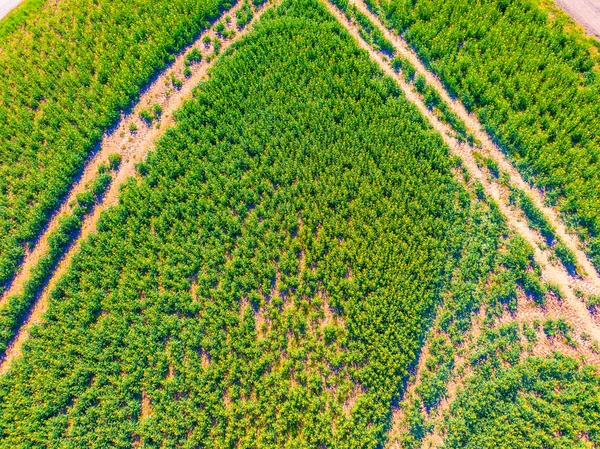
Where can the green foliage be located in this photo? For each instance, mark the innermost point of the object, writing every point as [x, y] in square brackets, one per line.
[403, 65]
[146, 115]
[529, 333]
[67, 71]
[220, 28]
[497, 347]
[536, 219]
[193, 56]
[216, 46]
[493, 167]
[559, 327]
[17, 306]
[243, 15]
[154, 113]
[370, 32]
[176, 82]
[114, 160]
[518, 258]
[538, 403]
[418, 427]
[566, 256]
[268, 282]
[593, 302]
[533, 85]
[432, 387]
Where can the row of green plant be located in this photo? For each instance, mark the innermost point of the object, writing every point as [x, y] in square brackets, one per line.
[370, 33]
[67, 71]
[539, 402]
[533, 82]
[268, 281]
[374, 37]
[538, 221]
[17, 306]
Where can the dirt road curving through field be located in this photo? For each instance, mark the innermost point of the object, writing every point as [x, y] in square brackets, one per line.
[573, 309]
[133, 147]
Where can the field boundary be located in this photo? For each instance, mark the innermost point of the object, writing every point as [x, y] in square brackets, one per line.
[132, 139]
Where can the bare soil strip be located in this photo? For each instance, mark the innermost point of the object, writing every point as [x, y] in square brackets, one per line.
[572, 308]
[489, 147]
[551, 273]
[133, 147]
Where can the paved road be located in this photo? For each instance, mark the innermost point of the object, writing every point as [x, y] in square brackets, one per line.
[586, 12]
[7, 5]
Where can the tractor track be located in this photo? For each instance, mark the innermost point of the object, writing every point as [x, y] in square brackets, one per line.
[133, 148]
[572, 307]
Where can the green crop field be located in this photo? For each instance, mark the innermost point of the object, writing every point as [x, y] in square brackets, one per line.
[277, 195]
[66, 73]
[533, 83]
[314, 250]
[524, 406]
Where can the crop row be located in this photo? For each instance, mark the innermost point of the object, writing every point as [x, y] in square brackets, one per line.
[532, 82]
[268, 280]
[15, 307]
[67, 71]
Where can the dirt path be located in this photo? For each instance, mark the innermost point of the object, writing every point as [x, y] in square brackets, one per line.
[455, 385]
[584, 12]
[489, 147]
[572, 307]
[133, 147]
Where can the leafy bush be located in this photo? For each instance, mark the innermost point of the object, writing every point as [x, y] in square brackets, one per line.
[193, 56]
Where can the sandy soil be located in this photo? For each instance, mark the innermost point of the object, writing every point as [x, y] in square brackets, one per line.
[584, 12]
[133, 148]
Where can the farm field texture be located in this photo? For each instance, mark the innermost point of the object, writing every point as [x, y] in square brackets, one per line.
[248, 267]
[318, 248]
[531, 78]
[85, 63]
[25, 300]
